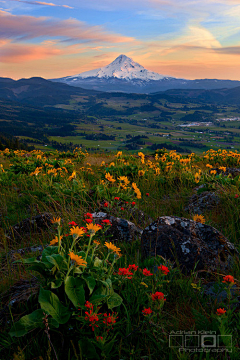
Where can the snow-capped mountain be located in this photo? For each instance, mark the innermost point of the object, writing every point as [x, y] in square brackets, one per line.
[125, 75]
[122, 67]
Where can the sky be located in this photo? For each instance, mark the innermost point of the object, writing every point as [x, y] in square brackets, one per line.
[191, 39]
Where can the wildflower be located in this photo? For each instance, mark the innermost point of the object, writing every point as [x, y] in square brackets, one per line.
[111, 164]
[96, 242]
[158, 296]
[89, 305]
[72, 223]
[222, 168]
[73, 176]
[213, 172]
[196, 287]
[199, 218]
[109, 319]
[107, 222]
[141, 172]
[77, 259]
[147, 311]
[133, 267]
[143, 283]
[133, 203]
[92, 318]
[147, 194]
[209, 166]
[125, 180]
[119, 154]
[56, 220]
[55, 240]
[76, 232]
[99, 338]
[228, 279]
[109, 178]
[88, 215]
[125, 272]
[163, 269]
[146, 272]
[197, 177]
[122, 208]
[221, 311]
[236, 196]
[93, 228]
[112, 247]
[89, 221]
[105, 204]
[117, 198]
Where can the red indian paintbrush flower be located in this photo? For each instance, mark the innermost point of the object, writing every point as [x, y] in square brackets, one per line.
[228, 279]
[147, 311]
[125, 272]
[146, 272]
[221, 311]
[158, 296]
[163, 269]
[133, 267]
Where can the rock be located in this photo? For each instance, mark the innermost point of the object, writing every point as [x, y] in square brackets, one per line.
[121, 229]
[13, 254]
[188, 243]
[229, 171]
[140, 217]
[199, 203]
[34, 224]
[216, 293]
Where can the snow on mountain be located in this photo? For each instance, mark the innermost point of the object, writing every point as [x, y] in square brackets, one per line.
[122, 67]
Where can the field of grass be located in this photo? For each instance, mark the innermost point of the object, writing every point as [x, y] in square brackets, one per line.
[75, 302]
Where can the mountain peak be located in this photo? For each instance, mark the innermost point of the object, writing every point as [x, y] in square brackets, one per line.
[123, 67]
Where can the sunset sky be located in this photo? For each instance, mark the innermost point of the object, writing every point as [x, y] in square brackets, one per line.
[187, 39]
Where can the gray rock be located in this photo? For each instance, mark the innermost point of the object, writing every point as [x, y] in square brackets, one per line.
[35, 224]
[199, 203]
[121, 229]
[188, 243]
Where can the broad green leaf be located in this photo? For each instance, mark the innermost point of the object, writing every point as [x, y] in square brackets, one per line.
[58, 261]
[114, 300]
[56, 284]
[97, 298]
[50, 303]
[50, 250]
[75, 291]
[30, 322]
[97, 262]
[39, 267]
[88, 349]
[91, 283]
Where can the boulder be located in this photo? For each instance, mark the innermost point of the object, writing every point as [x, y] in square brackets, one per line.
[34, 224]
[188, 243]
[121, 229]
[199, 203]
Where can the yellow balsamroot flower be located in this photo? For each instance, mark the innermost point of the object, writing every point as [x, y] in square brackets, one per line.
[93, 228]
[209, 166]
[197, 177]
[77, 259]
[56, 220]
[136, 190]
[222, 168]
[213, 172]
[2, 169]
[112, 164]
[196, 287]
[125, 180]
[55, 240]
[141, 172]
[103, 163]
[76, 232]
[119, 154]
[36, 171]
[199, 218]
[96, 242]
[109, 177]
[73, 176]
[112, 247]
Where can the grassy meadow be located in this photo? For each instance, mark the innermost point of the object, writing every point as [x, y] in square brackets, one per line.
[90, 298]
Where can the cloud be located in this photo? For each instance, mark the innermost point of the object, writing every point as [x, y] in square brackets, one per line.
[22, 28]
[42, 3]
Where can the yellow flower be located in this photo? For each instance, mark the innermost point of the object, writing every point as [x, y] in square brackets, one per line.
[141, 172]
[143, 283]
[125, 180]
[208, 165]
[109, 177]
[76, 232]
[96, 242]
[213, 172]
[222, 168]
[119, 154]
[55, 240]
[199, 218]
[73, 176]
[111, 164]
[197, 177]
[93, 228]
[102, 163]
[77, 259]
[112, 247]
[56, 220]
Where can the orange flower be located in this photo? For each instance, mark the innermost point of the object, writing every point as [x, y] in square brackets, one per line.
[93, 228]
[77, 259]
[56, 220]
[76, 231]
[55, 240]
[228, 279]
[112, 247]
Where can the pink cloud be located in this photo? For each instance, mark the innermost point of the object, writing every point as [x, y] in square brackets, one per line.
[42, 3]
[24, 27]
